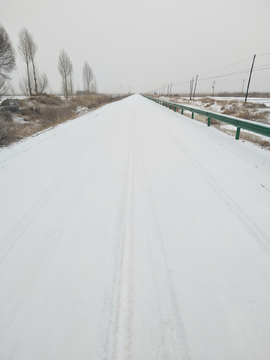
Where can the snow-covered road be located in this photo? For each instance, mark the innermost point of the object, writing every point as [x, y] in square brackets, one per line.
[134, 232]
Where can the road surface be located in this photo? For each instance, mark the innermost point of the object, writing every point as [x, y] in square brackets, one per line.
[133, 232]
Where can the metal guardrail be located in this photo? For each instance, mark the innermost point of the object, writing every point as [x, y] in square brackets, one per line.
[239, 124]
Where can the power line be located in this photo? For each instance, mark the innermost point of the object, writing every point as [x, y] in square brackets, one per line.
[263, 54]
[239, 72]
[209, 72]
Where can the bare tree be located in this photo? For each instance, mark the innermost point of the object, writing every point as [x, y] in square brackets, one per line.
[4, 87]
[28, 49]
[43, 83]
[7, 60]
[71, 85]
[23, 85]
[94, 87]
[32, 52]
[24, 52]
[88, 76]
[65, 69]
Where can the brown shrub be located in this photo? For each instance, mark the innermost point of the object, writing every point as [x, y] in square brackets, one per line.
[6, 116]
[250, 105]
[208, 100]
[51, 114]
[92, 106]
[46, 99]
[247, 114]
[232, 109]
[26, 112]
[7, 132]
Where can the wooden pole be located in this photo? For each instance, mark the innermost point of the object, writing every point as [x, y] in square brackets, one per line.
[250, 76]
[195, 86]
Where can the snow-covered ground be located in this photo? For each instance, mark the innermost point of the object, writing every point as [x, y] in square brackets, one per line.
[133, 232]
[265, 101]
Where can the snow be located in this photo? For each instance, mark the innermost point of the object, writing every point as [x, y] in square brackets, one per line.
[133, 232]
[265, 101]
[18, 119]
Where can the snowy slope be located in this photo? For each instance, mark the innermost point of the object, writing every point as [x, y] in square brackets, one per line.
[134, 232]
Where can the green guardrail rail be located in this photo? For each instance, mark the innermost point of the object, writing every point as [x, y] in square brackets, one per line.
[239, 124]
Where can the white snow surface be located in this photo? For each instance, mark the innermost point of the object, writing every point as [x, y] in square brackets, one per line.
[133, 232]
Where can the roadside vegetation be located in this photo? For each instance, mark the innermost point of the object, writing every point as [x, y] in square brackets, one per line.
[20, 118]
[35, 110]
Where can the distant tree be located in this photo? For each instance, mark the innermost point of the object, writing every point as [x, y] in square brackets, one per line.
[7, 60]
[32, 52]
[88, 76]
[65, 69]
[28, 49]
[4, 87]
[71, 85]
[94, 87]
[24, 52]
[43, 83]
[23, 85]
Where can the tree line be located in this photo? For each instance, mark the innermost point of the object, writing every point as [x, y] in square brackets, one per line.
[34, 83]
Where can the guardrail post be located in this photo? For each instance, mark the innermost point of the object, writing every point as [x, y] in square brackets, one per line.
[192, 115]
[175, 109]
[208, 121]
[182, 111]
[237, 136]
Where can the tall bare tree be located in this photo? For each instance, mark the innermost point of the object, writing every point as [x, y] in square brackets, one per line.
[88, 76]
[24, 52]
[32, 52]
[23, 85]
[7, 60]
[65, 69]
[28, 49]
[94, 87]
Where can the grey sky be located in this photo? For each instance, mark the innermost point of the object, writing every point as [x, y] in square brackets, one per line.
[145, 44]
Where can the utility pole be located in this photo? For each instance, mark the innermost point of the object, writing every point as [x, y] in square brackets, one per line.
[195, 86]
[191, 88]
[171, 89]
[250, 76]
[213, 87]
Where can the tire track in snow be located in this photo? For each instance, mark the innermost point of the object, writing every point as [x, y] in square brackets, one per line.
[15, 234]
[118, 336]
[248, 224]
[119, 309]
[171, 343]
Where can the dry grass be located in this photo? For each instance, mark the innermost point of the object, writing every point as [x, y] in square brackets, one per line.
[42, 112]
[207, 100]
[46, 99]
[6, 116]
[251, 114]
[250, 105]
[93, 101]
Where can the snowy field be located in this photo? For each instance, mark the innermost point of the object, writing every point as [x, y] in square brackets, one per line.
[133, 232]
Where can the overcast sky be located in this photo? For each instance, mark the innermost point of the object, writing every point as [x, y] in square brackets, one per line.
[145, 44]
